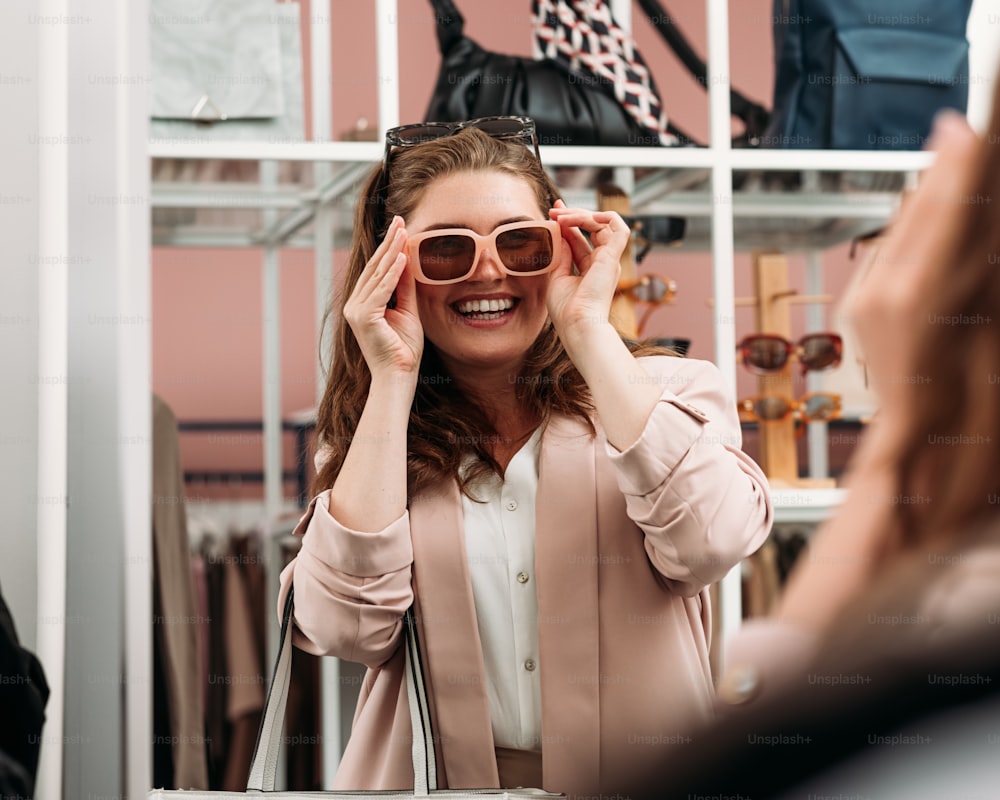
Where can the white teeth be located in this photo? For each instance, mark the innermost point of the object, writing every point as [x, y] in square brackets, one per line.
[473, 306]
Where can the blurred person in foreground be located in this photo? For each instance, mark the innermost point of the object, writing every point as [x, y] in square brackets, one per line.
[877, 675]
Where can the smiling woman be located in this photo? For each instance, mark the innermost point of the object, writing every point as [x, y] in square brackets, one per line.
[552, 503]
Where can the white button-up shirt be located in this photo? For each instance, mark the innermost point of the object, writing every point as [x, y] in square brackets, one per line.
[500, 544]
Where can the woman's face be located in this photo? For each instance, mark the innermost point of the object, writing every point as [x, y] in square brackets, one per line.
[466, 337]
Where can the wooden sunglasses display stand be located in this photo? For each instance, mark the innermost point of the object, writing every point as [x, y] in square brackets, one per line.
[623, 316]
[772, 300]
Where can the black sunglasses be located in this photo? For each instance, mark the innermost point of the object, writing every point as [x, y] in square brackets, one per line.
[522, 128]
[653, 229]
[504, 128]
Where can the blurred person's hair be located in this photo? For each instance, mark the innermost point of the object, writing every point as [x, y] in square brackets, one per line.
[947, 472]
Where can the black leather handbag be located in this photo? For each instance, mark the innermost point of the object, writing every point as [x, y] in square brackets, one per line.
[863, 75]
[568, 108]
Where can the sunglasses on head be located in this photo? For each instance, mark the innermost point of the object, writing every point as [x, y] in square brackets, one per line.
[514, 128]
[450, 255]
[765, 352]
[812, 407]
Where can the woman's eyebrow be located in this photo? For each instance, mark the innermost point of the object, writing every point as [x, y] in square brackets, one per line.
[440, 226]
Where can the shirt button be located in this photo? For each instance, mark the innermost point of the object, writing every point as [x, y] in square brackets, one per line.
[522, 577]
[530, 665]
[512, 505]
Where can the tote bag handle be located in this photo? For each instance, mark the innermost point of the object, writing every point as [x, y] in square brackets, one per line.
[264, 766]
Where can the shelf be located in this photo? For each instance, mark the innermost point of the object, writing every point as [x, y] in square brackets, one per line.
[789, 199]
[805, 505]
[369, 152]
[561, 155]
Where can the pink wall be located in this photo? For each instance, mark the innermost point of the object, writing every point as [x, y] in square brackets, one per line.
[207, 303]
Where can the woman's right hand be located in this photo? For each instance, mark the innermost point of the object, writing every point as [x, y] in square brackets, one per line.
[391, 339]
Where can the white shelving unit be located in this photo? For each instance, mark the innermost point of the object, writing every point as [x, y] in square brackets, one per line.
[721, 220]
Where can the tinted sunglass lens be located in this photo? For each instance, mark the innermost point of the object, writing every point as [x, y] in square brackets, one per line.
[525, 249]
[501, 126]
[765, 354]
[444, 258]
[644, 291]
[652, 290]
[820, 352]
[771, 409]
[820, 407]
[422, 133]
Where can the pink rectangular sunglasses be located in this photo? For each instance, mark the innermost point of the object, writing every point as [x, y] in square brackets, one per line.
[450, 255]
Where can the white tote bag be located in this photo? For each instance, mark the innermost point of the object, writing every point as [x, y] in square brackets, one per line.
[264, 767]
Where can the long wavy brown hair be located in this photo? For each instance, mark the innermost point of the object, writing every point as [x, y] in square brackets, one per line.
[947, 473]
[445, 424]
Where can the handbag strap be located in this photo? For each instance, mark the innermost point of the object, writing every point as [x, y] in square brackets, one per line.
[424, 759]
[754, 115]
[264, 766]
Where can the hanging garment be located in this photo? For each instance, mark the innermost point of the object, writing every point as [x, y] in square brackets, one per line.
[175, 626]
[243, 678]
[215, 709]
[303, 723]
[762, 584]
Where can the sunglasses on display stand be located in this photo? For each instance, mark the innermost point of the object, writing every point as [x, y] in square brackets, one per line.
[650, 290]
[762, 353]
[811, 407]
[654, 229]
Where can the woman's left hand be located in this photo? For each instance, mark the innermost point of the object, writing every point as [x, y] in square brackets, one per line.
[579, 302]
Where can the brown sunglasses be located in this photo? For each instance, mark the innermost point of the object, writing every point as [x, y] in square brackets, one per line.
[812, 407]
[766, 352]
[649, 289]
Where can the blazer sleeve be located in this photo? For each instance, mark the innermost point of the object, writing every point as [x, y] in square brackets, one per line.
[703, 504]
[351, 587]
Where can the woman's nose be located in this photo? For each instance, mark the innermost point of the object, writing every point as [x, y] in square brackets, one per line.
[488, 268]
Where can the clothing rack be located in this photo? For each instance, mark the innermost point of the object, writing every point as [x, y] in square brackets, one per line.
[301, 427]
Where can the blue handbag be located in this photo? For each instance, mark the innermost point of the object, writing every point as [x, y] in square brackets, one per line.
[863, 75]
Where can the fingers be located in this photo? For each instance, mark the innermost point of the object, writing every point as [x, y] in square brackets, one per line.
[564, 260]
[592, 221]
[609, 234]
[379, 277]
[578, 244]
[406, 290]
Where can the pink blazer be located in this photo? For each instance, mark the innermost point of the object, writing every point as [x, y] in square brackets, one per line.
[626, 544]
